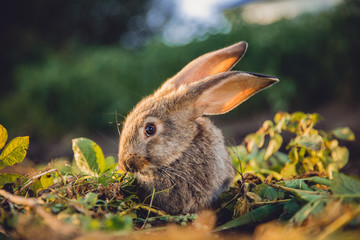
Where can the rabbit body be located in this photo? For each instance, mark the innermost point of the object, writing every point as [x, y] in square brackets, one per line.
[172, 148]
[193, 183]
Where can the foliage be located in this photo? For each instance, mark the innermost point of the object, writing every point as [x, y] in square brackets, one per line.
[90, 158]
[98, 81]
[34, 28]
[92, 197]
[14, 152]
[310, 149]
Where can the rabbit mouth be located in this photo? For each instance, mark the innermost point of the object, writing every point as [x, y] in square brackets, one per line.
[135, 163]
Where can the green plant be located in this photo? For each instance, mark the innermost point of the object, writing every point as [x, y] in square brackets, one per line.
[96, 80]
[309, 149]
[14, 152]
[90, 196]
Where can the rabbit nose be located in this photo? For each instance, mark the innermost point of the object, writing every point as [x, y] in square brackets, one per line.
[134, 163]
[130, 166]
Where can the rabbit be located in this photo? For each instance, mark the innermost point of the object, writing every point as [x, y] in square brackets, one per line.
[170, 146]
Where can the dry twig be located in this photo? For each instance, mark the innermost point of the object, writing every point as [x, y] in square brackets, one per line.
[53, 222]
[40, 175]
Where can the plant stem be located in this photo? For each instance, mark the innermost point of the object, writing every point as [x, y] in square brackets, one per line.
[151, 202]
[271, 202]
[40, 175]
[142, 206]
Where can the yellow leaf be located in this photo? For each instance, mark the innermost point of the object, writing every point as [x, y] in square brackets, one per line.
[14, 151]
[8, 178]
[289, 170]
[46, 181]
[274, 145]
[3, 136]
[340, 155]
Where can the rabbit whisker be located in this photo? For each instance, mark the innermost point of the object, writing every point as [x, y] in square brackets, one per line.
[173, 171]
[109, 139]
[167, 176]
[117, 123]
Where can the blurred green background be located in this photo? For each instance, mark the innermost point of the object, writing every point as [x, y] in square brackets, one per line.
[68, 68]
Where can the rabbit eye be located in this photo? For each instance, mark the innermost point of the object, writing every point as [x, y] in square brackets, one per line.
[150, 129]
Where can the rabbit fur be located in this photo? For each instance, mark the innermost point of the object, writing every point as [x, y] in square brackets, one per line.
[185, 159]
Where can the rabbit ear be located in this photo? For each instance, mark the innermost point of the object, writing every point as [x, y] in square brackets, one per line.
[220, 93]
[211, 63]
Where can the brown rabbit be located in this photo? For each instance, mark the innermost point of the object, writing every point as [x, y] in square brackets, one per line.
[172, 148]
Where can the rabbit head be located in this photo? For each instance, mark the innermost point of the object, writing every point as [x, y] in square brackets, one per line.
[169, 144]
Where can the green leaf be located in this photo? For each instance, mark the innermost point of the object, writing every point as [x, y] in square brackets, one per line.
[303, 195]
[312, 142]
[344, 133]
[261, 214]
[290, 208]
[308, 195]
[103, 180]
[14, 151]
[88, 156]
[89, 200]
[111, 222]
[269, 193]
[312, 208]
[259, 139]
[56, 208]
[274, 145]
[8, 178]
[345, 186]
[116, 222]
[110, 163]
[340, 155]
[3, 136]
[237, 153]
[297, 184]
[319, 180]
